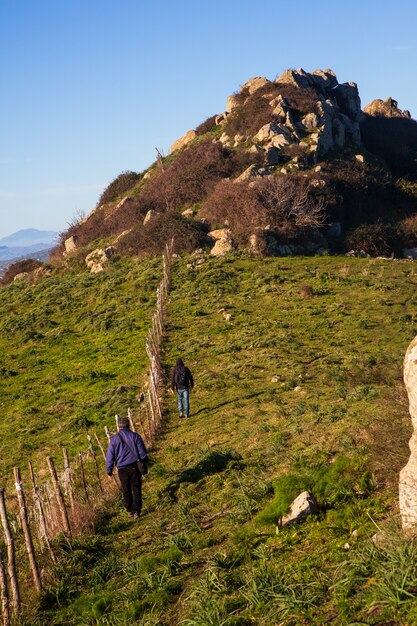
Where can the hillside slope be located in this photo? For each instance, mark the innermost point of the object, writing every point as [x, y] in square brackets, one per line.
[291, 392]
[245, 168]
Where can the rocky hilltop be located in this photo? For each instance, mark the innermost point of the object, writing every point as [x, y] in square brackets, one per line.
[292, 165]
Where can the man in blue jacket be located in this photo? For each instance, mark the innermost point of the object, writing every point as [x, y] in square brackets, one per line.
[127, 451]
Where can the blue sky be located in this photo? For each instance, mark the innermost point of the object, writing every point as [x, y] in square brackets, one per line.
[91, 87]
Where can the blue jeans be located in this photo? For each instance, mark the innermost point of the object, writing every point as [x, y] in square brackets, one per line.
[183, 401]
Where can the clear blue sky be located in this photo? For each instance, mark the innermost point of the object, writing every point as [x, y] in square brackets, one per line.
[91, 87]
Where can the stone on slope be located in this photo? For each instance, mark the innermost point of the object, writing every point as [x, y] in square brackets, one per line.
[183, 141]
[408, 475]
[304, 505]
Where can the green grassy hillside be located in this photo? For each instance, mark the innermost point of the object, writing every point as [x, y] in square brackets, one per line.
[292, 392]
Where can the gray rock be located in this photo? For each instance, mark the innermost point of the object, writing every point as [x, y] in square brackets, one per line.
[310, 121]
[299, 78]
[183, 141]
[304, 505]
[324, 80]
[150, 216]
[253, 84]
[70, 244]
[232, 102]
[347, 97]
[338, 129]
[408, 475]
[98, 258]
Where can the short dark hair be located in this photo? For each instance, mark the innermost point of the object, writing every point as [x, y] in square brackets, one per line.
[123, 422]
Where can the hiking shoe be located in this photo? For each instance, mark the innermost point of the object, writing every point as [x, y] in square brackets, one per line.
[181, 415]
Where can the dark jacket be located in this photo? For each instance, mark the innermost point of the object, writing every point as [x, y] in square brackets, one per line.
[181, 377]
[118, 452]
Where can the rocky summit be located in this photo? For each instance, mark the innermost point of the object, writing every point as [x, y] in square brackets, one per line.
[293, 165]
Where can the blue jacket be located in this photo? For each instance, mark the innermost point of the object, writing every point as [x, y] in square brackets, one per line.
[119, 454]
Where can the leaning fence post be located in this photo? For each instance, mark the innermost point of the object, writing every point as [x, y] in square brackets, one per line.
[26, 529]
[11, 558]
[41, 513]
[59, 497]
[4, 594]
[67, 467]
[100, 446]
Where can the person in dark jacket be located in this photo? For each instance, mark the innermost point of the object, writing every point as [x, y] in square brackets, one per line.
[125, 449]
[181, 382]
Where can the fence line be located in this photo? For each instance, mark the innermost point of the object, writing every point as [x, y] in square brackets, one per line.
[64, 503]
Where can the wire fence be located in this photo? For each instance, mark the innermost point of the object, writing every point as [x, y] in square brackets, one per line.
[68, 502]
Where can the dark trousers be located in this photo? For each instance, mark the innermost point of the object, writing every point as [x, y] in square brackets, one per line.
[131, 482]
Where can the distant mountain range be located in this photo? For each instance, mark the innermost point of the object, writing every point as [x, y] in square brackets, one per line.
[26, 242]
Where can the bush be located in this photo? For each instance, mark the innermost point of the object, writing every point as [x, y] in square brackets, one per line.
[190, 177]
[236, 204]
[119, 186]
[376, 239]
[27, 265]
[284, 203]
[152, 237]
[205, 127]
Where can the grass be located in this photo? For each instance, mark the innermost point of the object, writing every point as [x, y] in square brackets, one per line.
[291, 390]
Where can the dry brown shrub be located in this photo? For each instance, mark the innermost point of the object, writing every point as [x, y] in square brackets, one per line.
[236, 204]
[152, 237]
[290, 204]
[206, 126]
[188, 178]
[27, 265]
[123, 183]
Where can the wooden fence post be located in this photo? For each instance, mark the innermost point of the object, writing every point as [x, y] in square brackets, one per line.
[26, 529]
[93, 453]
[59, 497]
[11, 557]
[80, 456]
[100, 446]
[4, 592]
[67, 468]
[42, 520]
[131, 420]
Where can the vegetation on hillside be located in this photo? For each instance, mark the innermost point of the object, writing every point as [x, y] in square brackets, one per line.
[302, 387]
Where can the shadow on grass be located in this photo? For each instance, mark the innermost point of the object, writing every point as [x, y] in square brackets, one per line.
[214, 462]
[222, 404]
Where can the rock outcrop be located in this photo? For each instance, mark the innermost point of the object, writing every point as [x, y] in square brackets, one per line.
[183, 141]
[224, 242]
[408, 475]
[386, 108]
[332, 122]
[98, 258]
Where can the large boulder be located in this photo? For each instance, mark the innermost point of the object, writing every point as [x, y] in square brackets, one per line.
[224, 242]
[232, 102]
[272, 130]
[298, 78]
[98, 258]
[183, 141]
[263, 242]
[385, 108]
[347, 97]
[304, 505]
[255, 83]
[324, 80]
[70, 244]
[408, 475]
